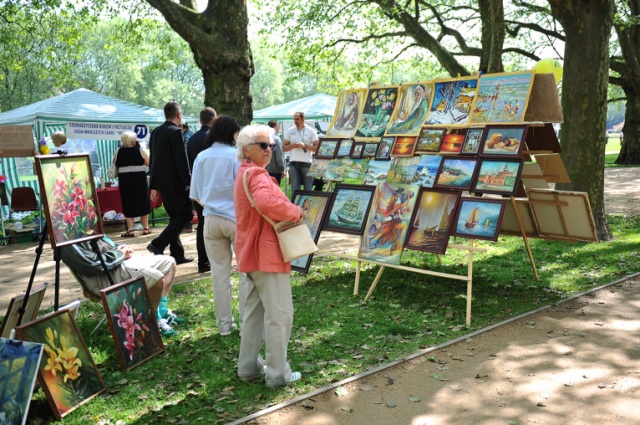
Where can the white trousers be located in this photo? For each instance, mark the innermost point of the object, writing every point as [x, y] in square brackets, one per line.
[219, 237]
[268, 316]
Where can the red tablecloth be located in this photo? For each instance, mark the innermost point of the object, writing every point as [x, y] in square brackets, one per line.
[109, 199]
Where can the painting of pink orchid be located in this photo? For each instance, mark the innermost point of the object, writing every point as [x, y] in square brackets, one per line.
[132, 321]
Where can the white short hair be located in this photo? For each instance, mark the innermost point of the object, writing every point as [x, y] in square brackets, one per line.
[249, 134]
[128, 139]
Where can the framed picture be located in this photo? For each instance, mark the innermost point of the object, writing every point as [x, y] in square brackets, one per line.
[432, 220]
[31, 309]
[19, 363]
[69, 199]
[452, 143]
[356, 172]
[344, 148]
[497, 176]
[348, 209]
[452, 99]
[384, 148]
[456, 173]
[315, 203]
[503, 140]
[403, 170]
[427, 170]
[472, 141]
[429, 140]
[404, 146]
[327, 148]
[377, 172]
[132, 322]
[388, 221]
[412, 110]
[348, 109]
[369, 150]
[69, 377]
[379, 105]
[356, 150]
[318, 167]
[479, 218]
[502, 98]
[337, 167]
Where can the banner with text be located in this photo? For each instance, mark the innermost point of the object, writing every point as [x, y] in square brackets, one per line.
[105, 131]
[16, 141]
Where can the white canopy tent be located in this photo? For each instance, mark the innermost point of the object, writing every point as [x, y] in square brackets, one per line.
[319, 107]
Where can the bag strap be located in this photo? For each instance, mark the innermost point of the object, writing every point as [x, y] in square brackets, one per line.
[115, 157]
[253, 204]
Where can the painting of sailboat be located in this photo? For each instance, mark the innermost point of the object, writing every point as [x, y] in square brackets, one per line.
[479, 218]
[432, 220]
[349, 208]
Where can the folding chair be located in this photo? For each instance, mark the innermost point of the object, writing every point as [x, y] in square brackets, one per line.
[23, 199]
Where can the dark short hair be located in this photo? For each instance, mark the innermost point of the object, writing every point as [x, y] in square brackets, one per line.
[272, 123]
[207, 114]
[171, 110]
[222, 131]
[300, 113]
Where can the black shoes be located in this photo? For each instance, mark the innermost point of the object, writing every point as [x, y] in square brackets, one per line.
[154, 249]
[204, 269]
[183, 260]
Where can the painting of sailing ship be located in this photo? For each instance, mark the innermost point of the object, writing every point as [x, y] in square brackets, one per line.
[348, 210]
[427, 170]
[502, 98]
[432, 220]
[452, 100]
[377, 172]
[479, 218]
[318, 167]
[498, 176]
[315, 203]
[456, 173]
[403, 170]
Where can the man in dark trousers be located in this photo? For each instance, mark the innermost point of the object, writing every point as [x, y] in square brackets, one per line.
[194, 147]
[170, 178]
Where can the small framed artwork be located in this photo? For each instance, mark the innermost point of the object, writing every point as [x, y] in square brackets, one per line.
[356, 150]
[377, 172]
[19, 363]
[503, 140]
[327, 148]
[30, 310]
[472, 141]
[479, 218]
[69, 199]
[384, 148]
[315, 203]
[456, 173]
[432, 220]
[349, 208]
[69, 377]
[132, 322]
[318, 167]
[498, 176]
[344, 148]
[427, 170]
[404, 146]
[429, 140]
[452, 143]
[369, 150]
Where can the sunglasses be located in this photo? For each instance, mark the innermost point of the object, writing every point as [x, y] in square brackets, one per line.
[264, 145]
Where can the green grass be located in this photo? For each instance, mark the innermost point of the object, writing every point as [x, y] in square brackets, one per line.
[335, 334]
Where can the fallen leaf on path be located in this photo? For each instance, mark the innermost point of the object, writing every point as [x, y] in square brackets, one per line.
[341, 391]
[415, 398]
[541, 404]
[569, 384]
[391, 405]
[308, 406]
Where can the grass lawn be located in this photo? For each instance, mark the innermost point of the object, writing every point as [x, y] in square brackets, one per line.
[335, 334]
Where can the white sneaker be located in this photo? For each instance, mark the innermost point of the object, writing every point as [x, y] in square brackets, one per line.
[165, 329]
[295, 376]
[227, 333]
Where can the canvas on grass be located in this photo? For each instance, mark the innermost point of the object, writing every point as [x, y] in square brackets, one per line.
[387, 223]
[404, 146]
[472, 141]
[430, 140]
[498, 176]
[412, 109]
[344, 148]
[348, 109]
[19, 363]
[327, 148]
[31, 309]
[503, 140]
[502, 98]
[479, 218]
[132, 321]
[69, 198]
[403, 170]
[377, 172]
[378, 109]
[452, 99]
[427, 170]
[384, 148]
[348, 210]
[456, 173]
[68, 375]
[315, 204]
[432, 220]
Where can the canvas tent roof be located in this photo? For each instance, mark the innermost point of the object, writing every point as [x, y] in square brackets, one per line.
[317, 107]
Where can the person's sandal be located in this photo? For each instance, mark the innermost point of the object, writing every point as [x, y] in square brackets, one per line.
[146, 231]
[128, 234]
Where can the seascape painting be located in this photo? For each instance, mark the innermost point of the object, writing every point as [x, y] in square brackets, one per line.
[502, 98]
[349, 207]
[377, 172]
[348, 109]
[452, 100]
[427, 170]
[456, 173]
[337, 167]
[479, 218]
[403, 170]
[369, 150]
[19, 363]
[315, 204]
[498, 176]
[504, 140]
[356, 150]
[432, 221]
[318, 167]
[356, 173]
[327, 148]
[379, 106]
[452, 143]
[430, 140]
[344, 148]
[404, 146]
[412, 109]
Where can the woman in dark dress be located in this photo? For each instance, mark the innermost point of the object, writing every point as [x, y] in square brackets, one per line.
[131, 161]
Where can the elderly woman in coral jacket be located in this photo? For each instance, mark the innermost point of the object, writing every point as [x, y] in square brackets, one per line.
[268, 312]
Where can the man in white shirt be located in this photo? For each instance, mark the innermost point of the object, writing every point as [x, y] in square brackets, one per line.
[301, 140]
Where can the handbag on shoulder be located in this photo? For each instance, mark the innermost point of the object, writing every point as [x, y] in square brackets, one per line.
[112, 172]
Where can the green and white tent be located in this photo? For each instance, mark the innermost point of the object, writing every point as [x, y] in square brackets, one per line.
[82, 105]
[319, 107]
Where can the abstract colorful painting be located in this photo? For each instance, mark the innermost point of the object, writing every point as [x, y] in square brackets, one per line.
[472, 141]
[327, 148]
[132, 321]
[378, 110]
[502, 98]
[430, 140]
[388, 221]
[19, 363]
[452, 143]
[377, 172]
[452, 100]
[403, 170]
[456, 173]
[499, 176]
[503, 140]
[427, 170]
[432, 220]
[344, 148]
[384, 148]
[412, 109]
[315, 204]
[348, 109]
[69, 377]
[69, 199]
[479, 218]
[348, 210]
[404, 146]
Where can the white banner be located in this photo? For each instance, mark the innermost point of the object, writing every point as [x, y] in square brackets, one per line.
[104, 131]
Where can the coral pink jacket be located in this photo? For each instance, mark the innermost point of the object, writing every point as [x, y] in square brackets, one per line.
[256, 242]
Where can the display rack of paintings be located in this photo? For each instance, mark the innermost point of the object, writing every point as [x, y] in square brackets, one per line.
[412, 110]
[347, 113]
[502, 98]
[378, 109]
[456, 173]
[384, 148]
[499, 176]
[315, 204]
[472, 141]
[348, 209]
[503, 140]
[404, 146]
[356, 150]
[479, 218]
[327, 148]
[452, 99]
[344, 148]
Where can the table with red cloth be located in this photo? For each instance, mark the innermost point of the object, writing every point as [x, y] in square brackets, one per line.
[109, 199]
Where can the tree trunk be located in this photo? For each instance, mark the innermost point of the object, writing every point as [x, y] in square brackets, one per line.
[630, 149]
[587, 25]
[493, 31]
[220, 45]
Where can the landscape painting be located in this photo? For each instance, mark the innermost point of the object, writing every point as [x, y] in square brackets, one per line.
[356, 150]
[336, 168]
[377, 172]
[348, 210]
[430, 140]
[318, 167]
[327, 148]
[502, 98]
[315, 204]
[498, 176]
[403, 146]
[452, 143]
[427, 170]
[369, 150]
[472, 141]
[504, 140]
[344, 148]
[348, 109]
[432, 220]
[379, 106]
[452, 100]
[403, 170]
[412, 109]
[356, 173]
[456, 173]
[479, 218]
